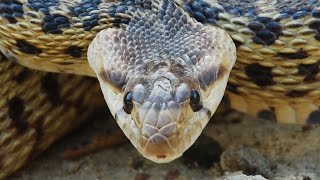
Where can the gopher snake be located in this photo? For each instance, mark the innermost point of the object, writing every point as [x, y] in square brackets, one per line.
[162, 73]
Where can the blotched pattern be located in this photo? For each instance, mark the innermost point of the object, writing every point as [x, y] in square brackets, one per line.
[277, 54]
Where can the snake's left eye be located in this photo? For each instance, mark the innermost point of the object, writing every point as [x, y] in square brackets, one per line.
[127, 103]
[195, 100]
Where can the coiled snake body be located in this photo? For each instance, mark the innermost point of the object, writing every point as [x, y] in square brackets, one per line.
[162, 66]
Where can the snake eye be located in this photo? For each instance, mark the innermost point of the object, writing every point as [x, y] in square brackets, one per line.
[127, 103]
[195, 101]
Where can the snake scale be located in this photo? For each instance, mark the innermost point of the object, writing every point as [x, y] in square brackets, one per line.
[162, 67]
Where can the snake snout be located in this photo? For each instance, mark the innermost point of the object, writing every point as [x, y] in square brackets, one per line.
[159, 129]
[159, 147]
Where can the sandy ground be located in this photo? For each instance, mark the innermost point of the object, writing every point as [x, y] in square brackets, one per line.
[232, 142]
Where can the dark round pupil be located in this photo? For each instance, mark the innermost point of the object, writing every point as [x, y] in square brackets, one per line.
[127, 103]
[195, 102]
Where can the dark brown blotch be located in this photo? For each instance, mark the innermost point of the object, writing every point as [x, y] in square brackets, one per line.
[298, 55]
[15, 111]
[309, 70]
[74, 51]
[314, 117]
[51, 87]
[267, 115]
[27, 48]
[21, 76]
[296, 94]
[232, 88]
[260, 75]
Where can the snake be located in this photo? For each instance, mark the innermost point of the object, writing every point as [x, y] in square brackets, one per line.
[161, 66]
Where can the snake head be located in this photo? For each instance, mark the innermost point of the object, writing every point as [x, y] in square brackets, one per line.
[166, 112]
[162, 83]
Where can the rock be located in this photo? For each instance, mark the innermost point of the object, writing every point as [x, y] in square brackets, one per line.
[245, 159]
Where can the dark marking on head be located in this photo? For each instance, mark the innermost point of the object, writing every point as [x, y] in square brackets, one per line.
[74, 51]
[104, 77]
[15, 110]
[87, 8]
[153, 66]
[11, 10]
[267, 115]
[178, 70]
[301, 54]
[221, 72]
[27, 48]
[209, 113]
[309, 70]
[107, 79]
[21, 76]
[295, 94]
[51, 87]
[260, 75]
[314, 117]
[210, 75]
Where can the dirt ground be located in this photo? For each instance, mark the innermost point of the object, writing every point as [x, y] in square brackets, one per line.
[231, 143]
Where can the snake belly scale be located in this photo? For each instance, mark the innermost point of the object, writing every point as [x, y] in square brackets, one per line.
[162, 67]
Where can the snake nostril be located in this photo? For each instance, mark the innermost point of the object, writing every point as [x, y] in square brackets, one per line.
[127, 103]
[195, 100]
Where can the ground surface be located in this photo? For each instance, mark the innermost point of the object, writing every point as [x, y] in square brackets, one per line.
[230, 142]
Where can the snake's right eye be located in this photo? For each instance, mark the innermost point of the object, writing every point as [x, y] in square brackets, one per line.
[195, 101]
[127, 103]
